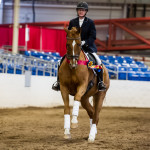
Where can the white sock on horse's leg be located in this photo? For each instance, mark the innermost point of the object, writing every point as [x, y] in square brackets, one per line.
[91, 124]
[67, 124]
[75, 112]
[93, 132]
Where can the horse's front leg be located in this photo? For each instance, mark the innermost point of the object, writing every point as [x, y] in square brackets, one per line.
[65, 96]
[75, 112]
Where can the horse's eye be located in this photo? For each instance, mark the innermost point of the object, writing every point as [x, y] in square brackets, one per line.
[79, 44]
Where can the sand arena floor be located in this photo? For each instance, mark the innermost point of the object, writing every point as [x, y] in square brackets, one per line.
[42, 129]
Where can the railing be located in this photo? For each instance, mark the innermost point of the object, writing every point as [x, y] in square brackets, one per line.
[18, 64]
[128, 73]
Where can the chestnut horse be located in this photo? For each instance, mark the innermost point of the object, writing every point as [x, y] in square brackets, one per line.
[74, 76]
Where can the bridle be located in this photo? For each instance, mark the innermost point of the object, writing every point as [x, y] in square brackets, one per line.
[71, 56]
[75, 57]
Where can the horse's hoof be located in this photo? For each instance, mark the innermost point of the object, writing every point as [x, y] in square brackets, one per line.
[91, 140]
[67, 136]
[74, 125]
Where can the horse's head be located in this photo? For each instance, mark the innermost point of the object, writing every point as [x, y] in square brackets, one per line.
[73, 46]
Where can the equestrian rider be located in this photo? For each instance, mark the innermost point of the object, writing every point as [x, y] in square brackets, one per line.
[88, 36]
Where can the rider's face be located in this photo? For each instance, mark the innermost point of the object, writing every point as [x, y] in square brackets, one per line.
[81, 12]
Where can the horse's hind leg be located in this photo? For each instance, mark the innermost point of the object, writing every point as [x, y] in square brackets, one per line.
[88, 107]
[98, 100]
[65, 96]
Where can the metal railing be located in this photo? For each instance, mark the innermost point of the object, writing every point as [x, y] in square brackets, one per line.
[18, 64]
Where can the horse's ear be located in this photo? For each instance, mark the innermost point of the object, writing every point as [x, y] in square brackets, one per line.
[66, 30]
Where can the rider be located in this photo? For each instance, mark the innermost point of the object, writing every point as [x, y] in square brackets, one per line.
[88, 36]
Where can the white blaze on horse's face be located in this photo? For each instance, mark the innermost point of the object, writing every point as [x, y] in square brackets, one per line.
[73, 44]
[74, 60]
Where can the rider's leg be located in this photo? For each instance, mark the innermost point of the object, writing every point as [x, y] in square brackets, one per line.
[101, 85]
[56, 85]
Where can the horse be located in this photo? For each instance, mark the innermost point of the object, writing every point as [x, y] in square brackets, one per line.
[75, 76]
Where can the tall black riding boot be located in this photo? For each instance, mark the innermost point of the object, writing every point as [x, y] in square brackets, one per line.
[56, 85]
[101, 85]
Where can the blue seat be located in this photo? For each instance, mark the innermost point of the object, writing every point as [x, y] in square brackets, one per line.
[120, 59]
[133, 65]
[147, 75]
[144, 69]
[125, 65]
[133, 76]
[128, 58]
[10, 68]
[56, 54]
[103, 57]
[1, 67]
[121, 68]
[130, 69]
[141, 63]
[18, 69]
[27, 53]
[114, 68]
[135, 69]
[111, 58]
[122, 74]
[47, 58]
[40, 72]
[34, 53]
[34, 70]
[47, 74]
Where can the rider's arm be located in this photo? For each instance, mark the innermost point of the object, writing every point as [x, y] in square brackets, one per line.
[92, 35]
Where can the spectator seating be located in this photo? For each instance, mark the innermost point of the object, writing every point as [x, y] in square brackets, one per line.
[126, 68]
[45, 64]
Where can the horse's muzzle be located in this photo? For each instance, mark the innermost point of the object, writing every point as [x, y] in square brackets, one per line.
[73, 64]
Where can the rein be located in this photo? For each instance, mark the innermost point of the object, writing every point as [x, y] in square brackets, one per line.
[80, 62]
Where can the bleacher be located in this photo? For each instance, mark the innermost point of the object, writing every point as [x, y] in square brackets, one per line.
[45, 64]
[126, 68]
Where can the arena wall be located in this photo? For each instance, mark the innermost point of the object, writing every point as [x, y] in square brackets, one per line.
[13, 93]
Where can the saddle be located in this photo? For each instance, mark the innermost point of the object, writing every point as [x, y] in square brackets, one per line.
[91, 58]
[92, 64]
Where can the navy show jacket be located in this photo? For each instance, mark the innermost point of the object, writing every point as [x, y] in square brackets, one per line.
[88, 33]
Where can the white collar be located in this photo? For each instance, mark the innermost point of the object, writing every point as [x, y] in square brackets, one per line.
[81, 19]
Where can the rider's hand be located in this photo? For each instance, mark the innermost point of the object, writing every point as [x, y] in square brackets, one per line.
[82, 43]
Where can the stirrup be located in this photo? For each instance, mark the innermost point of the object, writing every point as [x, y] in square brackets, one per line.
[101, 86]
[56, 86]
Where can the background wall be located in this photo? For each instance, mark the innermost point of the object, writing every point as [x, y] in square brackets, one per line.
[50, 13]
[13, 93]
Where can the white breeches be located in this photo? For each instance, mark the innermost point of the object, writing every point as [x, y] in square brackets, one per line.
[97, 59]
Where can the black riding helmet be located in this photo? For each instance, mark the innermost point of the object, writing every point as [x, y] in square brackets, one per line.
[82, 5]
